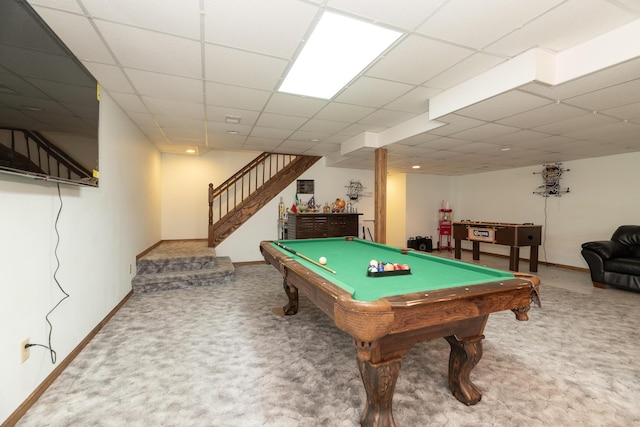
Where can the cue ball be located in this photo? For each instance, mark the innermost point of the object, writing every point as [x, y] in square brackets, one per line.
[322, 260]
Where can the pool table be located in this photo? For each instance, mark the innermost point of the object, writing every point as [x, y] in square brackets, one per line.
[386, 316]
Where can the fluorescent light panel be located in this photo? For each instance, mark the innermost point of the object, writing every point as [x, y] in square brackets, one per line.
[337, 51]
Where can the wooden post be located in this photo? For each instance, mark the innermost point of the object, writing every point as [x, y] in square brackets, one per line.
[380, 204]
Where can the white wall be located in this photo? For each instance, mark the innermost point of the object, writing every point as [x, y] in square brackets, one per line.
[603, 196]
[101, 231]
[185, 199]
[396, 210]
[413, 201]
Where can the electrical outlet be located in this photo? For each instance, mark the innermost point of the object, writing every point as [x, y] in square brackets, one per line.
[24, 350]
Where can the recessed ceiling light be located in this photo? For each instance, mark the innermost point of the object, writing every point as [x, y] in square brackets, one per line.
[505, 149]
[232, 132]
[338, 49]
[415, 167]
[191, 151]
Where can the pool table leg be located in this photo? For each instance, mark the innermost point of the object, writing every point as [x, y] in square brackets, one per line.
[465, 354]
[380, 383]
[292, 293]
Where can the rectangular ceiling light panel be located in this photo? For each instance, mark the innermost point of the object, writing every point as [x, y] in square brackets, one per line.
[338, 50]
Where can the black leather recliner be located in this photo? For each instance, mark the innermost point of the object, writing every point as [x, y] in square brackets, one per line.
[615, 262]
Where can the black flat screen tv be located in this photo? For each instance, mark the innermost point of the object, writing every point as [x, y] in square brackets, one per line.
[49, 102]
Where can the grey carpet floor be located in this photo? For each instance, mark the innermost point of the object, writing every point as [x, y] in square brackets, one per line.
[218, 356]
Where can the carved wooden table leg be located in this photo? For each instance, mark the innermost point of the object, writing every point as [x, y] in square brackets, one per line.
[292, 292]
[379, 382]
[465, 354]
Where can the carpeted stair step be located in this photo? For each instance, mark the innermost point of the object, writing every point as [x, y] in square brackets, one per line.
[221, 272]
[175, 264]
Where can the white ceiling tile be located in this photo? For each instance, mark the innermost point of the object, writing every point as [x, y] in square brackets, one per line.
[444, 143]
[419, 139]
[477, 147]
[464, 70]
[129, 103]
[148, 50]
[184, 134]
[485, 132]
[370, 92]
[417, 69]
[324, 126]
[302, 135]
[455, 123]
[504, 16]
[408, 16]
[587, 120]
[218, 114]
[386, 118]
[172, 17]
[66, 5]
[356, 129]
[320, 149]
[608, 133]
[236, 67]
[258, 25]
[143, 120]
[280, 121]
[503, 105]
[547, 143]
[179, 123]
[164, 86]
[262, 132]
[610, 97]
[519, 138]
[282, 103]
[414, 101]
[236, 96]
[544, 115]
[586, 19]
[608, 77]
[180, 109]
[343, 112]
[628, 112]
[110, 77]
[292, 147]
[224, 129]
[262, 144]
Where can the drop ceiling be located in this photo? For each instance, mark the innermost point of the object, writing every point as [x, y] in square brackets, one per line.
[471, 86]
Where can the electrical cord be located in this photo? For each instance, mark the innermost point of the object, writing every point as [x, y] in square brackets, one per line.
[55, 278]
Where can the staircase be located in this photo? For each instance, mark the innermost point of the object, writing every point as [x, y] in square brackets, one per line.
[184, 264]
[237, 199]
[181, 264]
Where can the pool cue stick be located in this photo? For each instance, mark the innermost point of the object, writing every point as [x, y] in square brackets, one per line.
[286, 248]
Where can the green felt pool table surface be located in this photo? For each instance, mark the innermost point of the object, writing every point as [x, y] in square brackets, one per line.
[349, 258]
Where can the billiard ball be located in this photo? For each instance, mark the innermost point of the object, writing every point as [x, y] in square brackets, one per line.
[388, 267]
[406, 267]
[373, 263]
[373, 269]
[322, 260]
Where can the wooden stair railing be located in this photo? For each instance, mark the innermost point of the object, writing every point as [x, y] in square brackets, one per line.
[237, 199]
[34, 152]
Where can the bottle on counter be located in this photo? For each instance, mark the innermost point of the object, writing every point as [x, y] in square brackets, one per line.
[281, 209]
